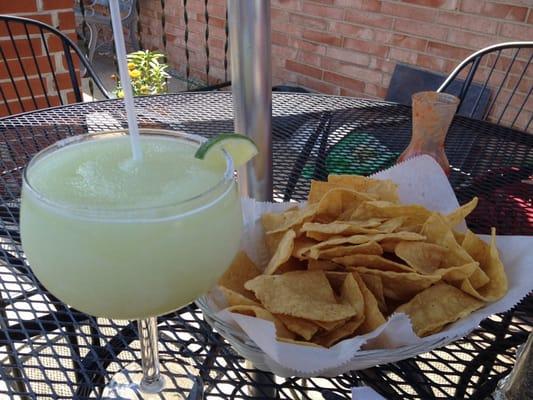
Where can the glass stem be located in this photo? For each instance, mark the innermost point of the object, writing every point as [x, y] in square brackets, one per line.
[152, 382]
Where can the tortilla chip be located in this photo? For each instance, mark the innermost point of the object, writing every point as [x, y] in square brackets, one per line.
[413, 213]
[455, 217]
[236, 299]
[241, 270]
[318, 231]
[302, 246]
[324, 265]
[293, 264]
[375, 285]
[273, 221]
[373, 316]
[339, 200]
[424, 258]
[371, 261]
[292, 218]
[260, 312]
[391, 225]
[438, 232]
[458, 273]
[329, 338]
[297, 342]
[283, 252]
[491, 264]
[313, 251]
[340, 251]
[301, 327]
[400, 286]
[351, 294]
[330, 325]
[303, 294]
[272, 241]
[438, 306]
[383, 189]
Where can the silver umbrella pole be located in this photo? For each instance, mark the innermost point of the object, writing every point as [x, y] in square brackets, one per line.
[251, 80]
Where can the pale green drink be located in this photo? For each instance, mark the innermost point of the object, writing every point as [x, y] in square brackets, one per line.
[126, 240]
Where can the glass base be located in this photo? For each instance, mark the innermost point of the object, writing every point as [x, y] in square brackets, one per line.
[179, 380]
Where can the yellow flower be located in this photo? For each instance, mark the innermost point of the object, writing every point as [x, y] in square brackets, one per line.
[131, 65]
[145, 89]
[135, 73]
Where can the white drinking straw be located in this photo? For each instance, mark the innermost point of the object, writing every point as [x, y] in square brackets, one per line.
[122, 61]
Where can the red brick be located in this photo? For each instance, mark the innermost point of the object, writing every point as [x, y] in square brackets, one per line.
[409, 42]
[323, 11]
[375, 91]
[23, 89]
[71, 98]
[284, 52]
[472, 6]
[405, 56]
[23, 47]
[287, 4]
[319, 86]
[277, 15]
[30, 67]
[343, 81]
[64, 81]
[308, 22]
[351, 70]
[66, 21]
[469, 39]
[468, 22]
[352, 93]
[348, 56]
[309, 58]
[514, 31]
[367, 5]
[444, 4]
[307, 46]
[379, 64]
[435, 64]
[408, 11]
[530, 18]
[303, 69]
[280, 38]
[444, 50]
[57, 4]
[18, 29]
[16, 7]
[352, 30]
[368, 19]
[504, 11]
[365, 47]
[425, 30]
[322, 37]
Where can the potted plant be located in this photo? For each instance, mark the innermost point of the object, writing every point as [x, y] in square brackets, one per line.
[147, 74]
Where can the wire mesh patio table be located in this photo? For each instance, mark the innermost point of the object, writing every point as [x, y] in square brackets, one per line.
[50, 351]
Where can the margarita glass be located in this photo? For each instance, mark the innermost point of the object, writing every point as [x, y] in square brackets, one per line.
[125, 239]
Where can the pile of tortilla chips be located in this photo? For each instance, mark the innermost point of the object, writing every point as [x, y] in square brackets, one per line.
[354, 255]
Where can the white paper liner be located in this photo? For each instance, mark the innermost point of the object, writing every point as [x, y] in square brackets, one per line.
[420, 181]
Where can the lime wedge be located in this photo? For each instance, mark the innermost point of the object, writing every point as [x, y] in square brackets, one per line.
[241, 148]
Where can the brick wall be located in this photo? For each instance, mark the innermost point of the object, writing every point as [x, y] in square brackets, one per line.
[58, 13]
[350, 47]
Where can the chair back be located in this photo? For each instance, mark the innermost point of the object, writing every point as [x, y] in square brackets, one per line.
[507, 70]
[39, 66]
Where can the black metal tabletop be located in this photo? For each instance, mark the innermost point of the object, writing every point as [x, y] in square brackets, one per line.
[50, 351]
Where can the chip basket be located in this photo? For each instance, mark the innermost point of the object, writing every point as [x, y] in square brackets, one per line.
[246, 348]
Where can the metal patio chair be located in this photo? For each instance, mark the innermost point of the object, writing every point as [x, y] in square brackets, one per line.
[507, 68]
[27, 46]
